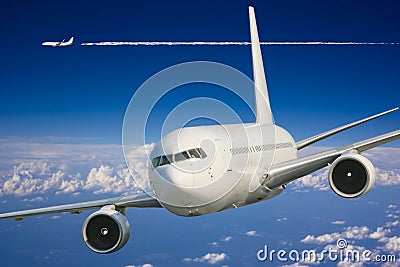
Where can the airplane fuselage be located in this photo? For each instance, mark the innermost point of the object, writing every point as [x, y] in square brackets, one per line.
[224, 173]
[62, 43]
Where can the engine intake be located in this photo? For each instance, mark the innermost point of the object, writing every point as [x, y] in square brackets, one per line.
[106, 230]
[351, 175]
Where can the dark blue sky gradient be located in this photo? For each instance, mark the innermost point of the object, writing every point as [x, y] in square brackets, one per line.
[83, 91]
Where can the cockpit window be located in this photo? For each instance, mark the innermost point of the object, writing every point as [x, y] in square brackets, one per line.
[202, 153]
[164, 160]
[193, 153]
[181, 156]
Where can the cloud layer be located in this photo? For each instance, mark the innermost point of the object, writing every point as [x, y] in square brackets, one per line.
[34, 168]
[386, 235]
[30, 169]
[40, 177]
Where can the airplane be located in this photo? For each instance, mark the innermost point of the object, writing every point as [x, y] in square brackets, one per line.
[205, 169]
[62, 43]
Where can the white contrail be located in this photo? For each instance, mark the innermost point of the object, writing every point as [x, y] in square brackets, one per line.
[232, 43]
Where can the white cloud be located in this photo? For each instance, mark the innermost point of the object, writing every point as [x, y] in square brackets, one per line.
[379, 233]
[351, 232]
[36, 199]
[104, 180]
[392, 206]
[391, 244]
[210, 258]
[322, 239]
[29, 178]
[55, 217]
[214, 244]
[338, 222]
[226, 239]
[317, 181]
[392, 216]
[144, 265]
[384, 157]
[356, 232]
[387, 177]
[392, 224]
[281, 219]
[251, 233]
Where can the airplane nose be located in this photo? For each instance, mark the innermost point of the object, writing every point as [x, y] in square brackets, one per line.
[176, 176]
[172, 186]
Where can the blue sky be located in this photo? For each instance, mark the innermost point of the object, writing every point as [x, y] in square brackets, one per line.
[83, 91]
[62, 109]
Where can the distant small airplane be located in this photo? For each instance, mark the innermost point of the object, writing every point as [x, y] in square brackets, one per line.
[63, 43]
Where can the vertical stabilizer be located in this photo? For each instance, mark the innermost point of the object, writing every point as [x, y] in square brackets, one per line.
[263, 109]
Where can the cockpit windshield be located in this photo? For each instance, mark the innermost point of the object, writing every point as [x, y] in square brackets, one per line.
[181, 156]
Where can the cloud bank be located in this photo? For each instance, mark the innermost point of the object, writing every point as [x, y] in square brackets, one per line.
[32, 169]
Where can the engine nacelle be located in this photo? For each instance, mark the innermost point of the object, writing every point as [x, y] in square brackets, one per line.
[106, 230]
[351, 175]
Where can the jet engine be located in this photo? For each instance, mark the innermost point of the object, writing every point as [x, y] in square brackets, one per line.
[106, 230]
[351, 175]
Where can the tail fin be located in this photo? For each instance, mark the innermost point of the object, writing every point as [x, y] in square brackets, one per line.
[264, 114]
[71, 40]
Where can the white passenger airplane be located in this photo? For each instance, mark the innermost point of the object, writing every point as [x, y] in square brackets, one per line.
[62, 43]
[205, 169]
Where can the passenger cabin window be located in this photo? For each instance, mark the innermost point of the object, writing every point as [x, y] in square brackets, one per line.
[181, 156]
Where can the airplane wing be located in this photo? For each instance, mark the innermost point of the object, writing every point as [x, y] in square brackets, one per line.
[308, 141]
[140, 200]
[282, 173]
